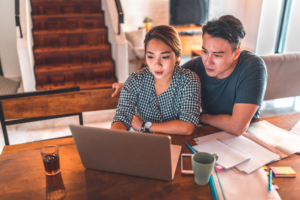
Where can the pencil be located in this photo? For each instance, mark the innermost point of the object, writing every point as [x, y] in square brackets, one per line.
[191, 148]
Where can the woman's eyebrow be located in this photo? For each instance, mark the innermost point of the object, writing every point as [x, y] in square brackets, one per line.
[160, 53]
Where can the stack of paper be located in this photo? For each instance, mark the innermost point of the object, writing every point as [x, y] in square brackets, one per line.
[243, 186]
[296, 129]
[228, 157]
[276, 139]
[258, 154]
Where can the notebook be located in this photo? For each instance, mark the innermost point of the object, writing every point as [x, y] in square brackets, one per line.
[125, 152]
[259, 155]
[228, 156]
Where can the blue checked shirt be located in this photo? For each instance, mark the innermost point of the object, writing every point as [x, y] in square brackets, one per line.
[181, 101]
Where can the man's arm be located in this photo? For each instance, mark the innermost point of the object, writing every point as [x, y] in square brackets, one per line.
[237, 123]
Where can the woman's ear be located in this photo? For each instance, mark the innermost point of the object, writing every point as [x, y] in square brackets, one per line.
[178, 59]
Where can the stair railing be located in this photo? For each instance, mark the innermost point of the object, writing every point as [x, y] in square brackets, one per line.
[120, 14]
[17, 16]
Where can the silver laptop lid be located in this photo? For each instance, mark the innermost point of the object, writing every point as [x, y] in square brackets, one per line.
[124, 152]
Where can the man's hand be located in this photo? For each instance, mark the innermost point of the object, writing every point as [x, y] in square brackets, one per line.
[118, 87]
[136, 122]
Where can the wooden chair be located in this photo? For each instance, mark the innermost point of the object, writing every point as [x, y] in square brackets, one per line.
[27, 107]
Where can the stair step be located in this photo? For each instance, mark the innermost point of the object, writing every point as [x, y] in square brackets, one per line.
[61, 38]
[67, 15]
[61, 7]
[68, 21]
[71, 48]
[60, 1]
[72, 31]
[69, 67]
[84, 85]
[79, 74]
[74, 57]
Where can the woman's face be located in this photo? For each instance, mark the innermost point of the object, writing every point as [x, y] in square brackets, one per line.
[160, 59]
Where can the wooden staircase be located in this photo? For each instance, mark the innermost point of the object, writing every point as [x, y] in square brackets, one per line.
[70, 45]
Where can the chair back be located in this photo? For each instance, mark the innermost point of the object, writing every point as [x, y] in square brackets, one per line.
[283, 75]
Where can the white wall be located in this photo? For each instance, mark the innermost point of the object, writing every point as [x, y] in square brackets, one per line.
[118, 42]
[268, 27]
[248, 11]
[136, 10]
[8, 46]
[24, 46]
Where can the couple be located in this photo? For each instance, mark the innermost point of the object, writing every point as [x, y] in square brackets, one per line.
[166, 98]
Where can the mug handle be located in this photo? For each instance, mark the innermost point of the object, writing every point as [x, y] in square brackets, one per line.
[216, 156]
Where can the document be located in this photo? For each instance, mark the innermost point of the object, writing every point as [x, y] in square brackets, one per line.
[258, 154]
[275, 139]
[247, 187]
[228, 156]
[296, 129]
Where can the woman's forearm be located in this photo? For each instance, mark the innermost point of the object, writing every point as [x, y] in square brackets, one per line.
[118, 126]
[177, 127]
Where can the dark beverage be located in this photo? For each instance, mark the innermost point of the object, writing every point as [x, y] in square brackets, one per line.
[51, 164]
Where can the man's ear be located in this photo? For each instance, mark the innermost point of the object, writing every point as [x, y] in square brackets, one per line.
[237, 53]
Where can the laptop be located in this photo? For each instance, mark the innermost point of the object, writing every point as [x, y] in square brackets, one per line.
[126, 152]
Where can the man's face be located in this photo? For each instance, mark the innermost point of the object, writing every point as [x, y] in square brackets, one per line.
[217, 56]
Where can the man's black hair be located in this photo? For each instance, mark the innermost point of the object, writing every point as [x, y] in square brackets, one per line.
[228, 28]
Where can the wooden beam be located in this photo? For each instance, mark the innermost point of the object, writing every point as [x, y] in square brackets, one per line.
[59, 104]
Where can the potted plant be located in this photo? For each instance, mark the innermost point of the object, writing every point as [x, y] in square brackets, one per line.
[147, 22]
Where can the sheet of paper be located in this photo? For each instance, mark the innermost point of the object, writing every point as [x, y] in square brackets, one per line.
[290, 144]
[296, 129]
[266, 132]
[247, 187]
[259, 155]
[227, 157]
[220, 135]
[275, 137]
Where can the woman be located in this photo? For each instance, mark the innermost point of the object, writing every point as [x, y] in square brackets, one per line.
[162, 97]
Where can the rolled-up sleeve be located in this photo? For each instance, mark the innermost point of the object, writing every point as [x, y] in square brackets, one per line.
[190, 99]
[127, 101]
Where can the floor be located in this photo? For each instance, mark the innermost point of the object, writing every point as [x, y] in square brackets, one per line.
[47, 129]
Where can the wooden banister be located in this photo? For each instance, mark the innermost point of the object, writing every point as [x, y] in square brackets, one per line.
[120, 14]
[58, 104]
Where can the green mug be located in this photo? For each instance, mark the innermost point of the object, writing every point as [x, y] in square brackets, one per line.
[203, 164]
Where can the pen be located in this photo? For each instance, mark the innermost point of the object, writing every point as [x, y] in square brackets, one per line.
[191, 148]
[270, 180]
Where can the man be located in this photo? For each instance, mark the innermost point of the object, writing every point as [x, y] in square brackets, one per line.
[233, 82]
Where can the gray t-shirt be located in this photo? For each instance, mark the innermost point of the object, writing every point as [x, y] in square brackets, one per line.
[246, 84]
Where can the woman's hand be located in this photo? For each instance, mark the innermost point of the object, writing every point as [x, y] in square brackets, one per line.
[118, 87]
[136, 122]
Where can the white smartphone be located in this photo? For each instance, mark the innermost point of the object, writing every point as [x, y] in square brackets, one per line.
[187, 162]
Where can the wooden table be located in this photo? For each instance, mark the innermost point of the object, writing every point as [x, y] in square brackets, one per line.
[22, 174]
